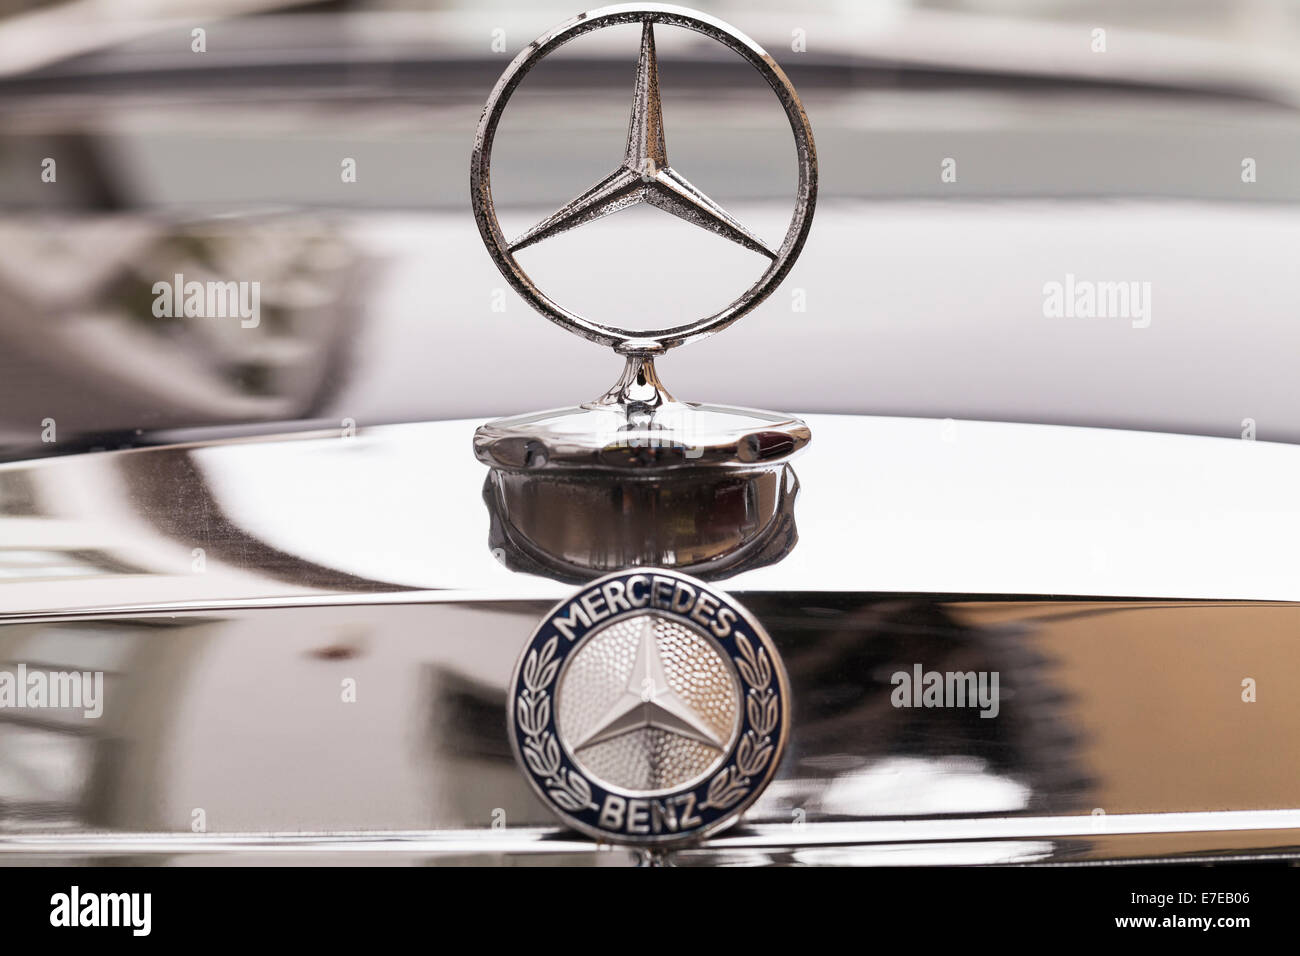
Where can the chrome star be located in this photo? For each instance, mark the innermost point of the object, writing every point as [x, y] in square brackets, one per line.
[644, 176]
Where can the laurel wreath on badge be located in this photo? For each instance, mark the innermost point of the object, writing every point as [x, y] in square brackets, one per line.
[755, 748]
[541, 750]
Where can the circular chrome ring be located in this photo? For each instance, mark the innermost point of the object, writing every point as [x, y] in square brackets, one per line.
[656, 340]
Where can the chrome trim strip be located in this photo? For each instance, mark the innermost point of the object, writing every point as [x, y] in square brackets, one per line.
[505, 596]
[986, 828]
[554, 840]
[306, 600]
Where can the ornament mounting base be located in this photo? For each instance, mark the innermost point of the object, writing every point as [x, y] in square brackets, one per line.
[638, 426]
[637, 478]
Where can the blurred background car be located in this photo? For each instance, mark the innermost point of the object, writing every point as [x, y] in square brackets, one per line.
[972, 153]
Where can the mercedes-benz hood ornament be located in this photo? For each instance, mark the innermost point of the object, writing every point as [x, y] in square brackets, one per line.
[659, 457]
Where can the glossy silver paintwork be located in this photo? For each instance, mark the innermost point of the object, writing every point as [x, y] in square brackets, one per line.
[364, 557]
[238, 713]
[941, 507]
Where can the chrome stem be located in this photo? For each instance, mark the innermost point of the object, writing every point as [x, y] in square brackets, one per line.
[638, 388]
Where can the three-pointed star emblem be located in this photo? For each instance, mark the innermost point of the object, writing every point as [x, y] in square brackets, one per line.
[644, 175]
[648, 702]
